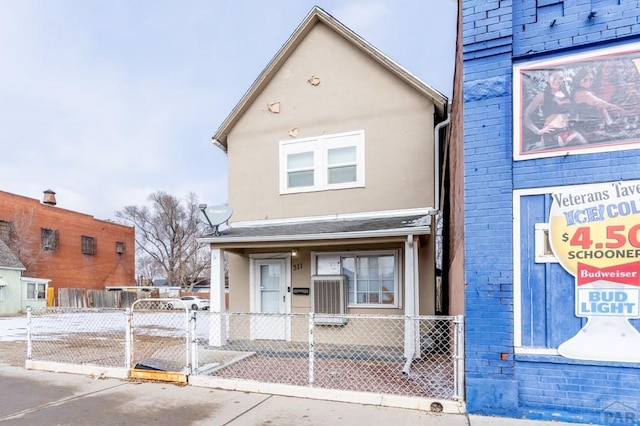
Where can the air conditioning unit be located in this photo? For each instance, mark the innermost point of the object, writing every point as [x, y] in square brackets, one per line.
[329, 298]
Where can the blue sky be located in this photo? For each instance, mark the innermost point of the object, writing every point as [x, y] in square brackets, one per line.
[105, 102]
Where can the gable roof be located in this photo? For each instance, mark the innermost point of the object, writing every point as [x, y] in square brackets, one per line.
[8, 259]
[318, 15]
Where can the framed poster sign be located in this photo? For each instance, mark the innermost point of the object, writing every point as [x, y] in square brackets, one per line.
[577, 104]
[594, 231]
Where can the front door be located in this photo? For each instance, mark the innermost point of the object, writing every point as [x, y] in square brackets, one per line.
[270, 299]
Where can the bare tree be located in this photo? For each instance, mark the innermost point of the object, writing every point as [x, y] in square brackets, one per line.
[23, 238]
[166, 233]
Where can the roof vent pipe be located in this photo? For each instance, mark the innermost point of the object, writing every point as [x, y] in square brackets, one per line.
[49, 198]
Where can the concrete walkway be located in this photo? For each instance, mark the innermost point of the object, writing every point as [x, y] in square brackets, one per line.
[39, 397]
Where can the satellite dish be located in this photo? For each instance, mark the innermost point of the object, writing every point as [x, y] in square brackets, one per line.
[216, 215]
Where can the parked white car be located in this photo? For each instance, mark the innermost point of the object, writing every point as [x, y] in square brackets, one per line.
[192, 302]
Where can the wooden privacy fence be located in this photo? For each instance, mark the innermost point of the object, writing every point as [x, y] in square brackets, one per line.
[85, 298]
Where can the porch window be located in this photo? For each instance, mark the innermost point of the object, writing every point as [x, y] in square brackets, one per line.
[373, 276]
[323, 163]
[36, 291]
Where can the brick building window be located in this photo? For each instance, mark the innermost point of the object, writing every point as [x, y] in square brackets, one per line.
[120, 247]
[88, 245]
[6, 231]
[49, 238]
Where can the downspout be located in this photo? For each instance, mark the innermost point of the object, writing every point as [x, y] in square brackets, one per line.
[436, 192]
[410, 312]
[407, 366]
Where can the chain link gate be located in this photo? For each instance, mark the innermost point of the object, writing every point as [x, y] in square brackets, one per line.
[159, 332]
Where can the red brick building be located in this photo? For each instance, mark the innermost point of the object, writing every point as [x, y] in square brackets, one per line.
[73, 250]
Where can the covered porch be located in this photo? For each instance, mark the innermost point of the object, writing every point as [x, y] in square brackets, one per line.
[335, 266]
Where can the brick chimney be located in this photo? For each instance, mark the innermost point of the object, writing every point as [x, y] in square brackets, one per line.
[49, 198]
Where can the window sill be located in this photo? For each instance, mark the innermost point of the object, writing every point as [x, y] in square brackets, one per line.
[558, 359]
[370, 306]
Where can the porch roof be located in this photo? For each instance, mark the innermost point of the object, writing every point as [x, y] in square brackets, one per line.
[326, 229]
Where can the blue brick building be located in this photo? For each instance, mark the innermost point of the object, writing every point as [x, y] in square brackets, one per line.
[551, 208]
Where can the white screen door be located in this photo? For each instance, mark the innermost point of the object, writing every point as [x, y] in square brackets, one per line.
[270, 298]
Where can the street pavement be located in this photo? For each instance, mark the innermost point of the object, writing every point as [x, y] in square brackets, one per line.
[31, 397]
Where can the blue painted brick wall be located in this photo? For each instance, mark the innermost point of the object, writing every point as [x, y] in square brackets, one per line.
[496, 35]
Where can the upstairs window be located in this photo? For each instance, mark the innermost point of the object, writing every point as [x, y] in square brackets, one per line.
[322, 163]
[88, 245]
[49, 239]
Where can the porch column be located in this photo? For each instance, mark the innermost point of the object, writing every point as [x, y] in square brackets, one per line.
[411, 292]
[217, 326]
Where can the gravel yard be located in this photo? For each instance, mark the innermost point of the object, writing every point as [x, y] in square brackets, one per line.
[13, 353]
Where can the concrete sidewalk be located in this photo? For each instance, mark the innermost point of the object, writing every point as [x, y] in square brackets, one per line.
[41, 397]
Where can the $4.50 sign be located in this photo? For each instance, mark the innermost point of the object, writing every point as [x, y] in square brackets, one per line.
[617, 236]
[596, 224]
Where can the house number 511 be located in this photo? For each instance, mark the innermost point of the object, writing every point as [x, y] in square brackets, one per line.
[297, 266]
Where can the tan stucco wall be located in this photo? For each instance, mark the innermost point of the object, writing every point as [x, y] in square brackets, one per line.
[355, 93]
[238, 283]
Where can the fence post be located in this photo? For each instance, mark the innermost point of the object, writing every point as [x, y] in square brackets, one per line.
[217, 328]
[29, 335]
[458, 355]
[311, 349]
[194, 343]
[128, 355]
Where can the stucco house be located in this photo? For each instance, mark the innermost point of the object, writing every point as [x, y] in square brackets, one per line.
[333, 182]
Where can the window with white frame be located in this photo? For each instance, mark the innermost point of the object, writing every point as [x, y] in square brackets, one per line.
[322, 163]
[36, 291]
[373, 276]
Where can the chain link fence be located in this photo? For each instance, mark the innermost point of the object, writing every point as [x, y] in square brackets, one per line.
[77, 336]
[409, 356]
[160, 335]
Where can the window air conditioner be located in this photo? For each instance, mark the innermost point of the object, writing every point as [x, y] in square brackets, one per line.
[329, 298]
